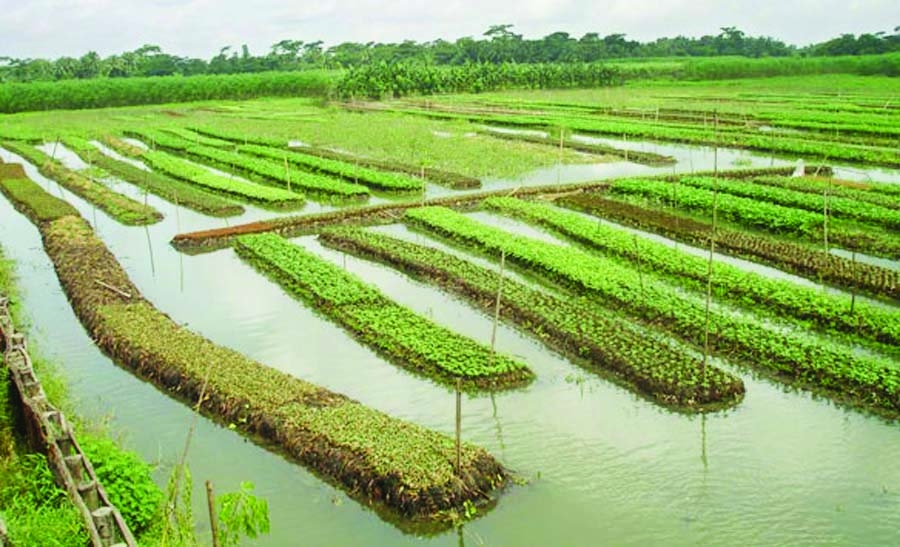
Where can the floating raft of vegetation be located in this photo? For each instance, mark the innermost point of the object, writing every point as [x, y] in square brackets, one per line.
[837, 370]
[646, 158]
[381, 180]
[168, 188]
[265, 196]
[826, 312]
[121, 208]
[608, 345]
[787, 255]
[437, 176]
[403, 336]
[222, 154]
[391, 463]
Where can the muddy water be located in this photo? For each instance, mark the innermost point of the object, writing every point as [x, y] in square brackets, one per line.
[603, 466]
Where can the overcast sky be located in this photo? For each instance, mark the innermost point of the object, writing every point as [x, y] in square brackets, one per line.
[199, 28]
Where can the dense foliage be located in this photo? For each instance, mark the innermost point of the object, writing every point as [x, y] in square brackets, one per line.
[609, 345]
[729, 283]
[272, 166]
[122, 208]
[168, 188]
[359, 175]
[201, 176]
[402, 79]
[107, 92]
[499, 44]
[405, 337]
[787, 255]
[836, 369]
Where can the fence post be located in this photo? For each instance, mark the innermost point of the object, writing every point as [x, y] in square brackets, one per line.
[105, 524]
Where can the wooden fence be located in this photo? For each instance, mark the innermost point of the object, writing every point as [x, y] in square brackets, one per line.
[49, 433]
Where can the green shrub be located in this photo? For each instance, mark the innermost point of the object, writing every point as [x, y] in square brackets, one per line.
[127, 480]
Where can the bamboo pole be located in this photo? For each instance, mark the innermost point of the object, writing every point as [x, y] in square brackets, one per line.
[497, 303]
[853, 288]
[712, 246]
[458, 425]
[211, 506]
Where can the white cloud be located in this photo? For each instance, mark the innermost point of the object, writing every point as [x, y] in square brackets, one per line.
[52, 28]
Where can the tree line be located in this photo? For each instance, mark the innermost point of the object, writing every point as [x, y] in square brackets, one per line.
[498, 45]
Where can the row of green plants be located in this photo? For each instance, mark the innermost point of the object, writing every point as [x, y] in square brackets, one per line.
[111, 92]
[837, 370]
[273, 162]
[223, 155]
[395, 80]
[762, 215]
[710, 136]
[868, 192]
[646, 158]
[606, 344]
[437, 176]
[33, 201]
[168, 188]
[879, 125]
[196, 138]
[407, 338]
[196, 174]
[813, 118]
[837, 206]
[823, 311]
[156, 139]
[745, 211]
[382, 180]
[388, 461]
[122, 208]
[787, 255]
[280, 172]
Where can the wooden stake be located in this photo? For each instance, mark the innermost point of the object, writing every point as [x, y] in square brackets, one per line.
[637, 252]
[113, 289]
[497, 302]
[853, 289]
[825, 211]
[712, 247]
[458, 425]
[213, 521]
[287, 173]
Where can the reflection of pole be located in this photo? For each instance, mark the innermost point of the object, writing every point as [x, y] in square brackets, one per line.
[177, 214]
[150, 248]
[497, 421]
[703, 457]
